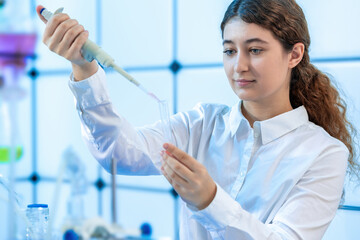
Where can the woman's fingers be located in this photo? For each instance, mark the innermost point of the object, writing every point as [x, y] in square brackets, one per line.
[174, 184]
[175, 172]
[69, 39]
[52, 25]
[189, 178]
[181, 156]
[63, 36]
[178, 167]
[76, 46]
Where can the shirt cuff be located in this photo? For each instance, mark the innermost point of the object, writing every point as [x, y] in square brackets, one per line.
[220, 213]
[90, 92]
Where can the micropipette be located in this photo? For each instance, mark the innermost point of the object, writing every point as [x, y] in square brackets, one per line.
[91, 51]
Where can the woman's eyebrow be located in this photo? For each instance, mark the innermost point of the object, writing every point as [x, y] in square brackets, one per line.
[248, 41]
[258, 40]
[227, 42]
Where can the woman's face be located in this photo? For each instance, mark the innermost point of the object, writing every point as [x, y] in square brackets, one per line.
[255, 63]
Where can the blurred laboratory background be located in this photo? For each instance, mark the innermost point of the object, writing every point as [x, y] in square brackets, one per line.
[174, 48]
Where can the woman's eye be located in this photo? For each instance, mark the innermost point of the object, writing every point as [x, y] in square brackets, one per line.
[255, 51]
[229, 52]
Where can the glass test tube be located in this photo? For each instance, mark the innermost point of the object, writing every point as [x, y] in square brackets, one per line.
[166, 124]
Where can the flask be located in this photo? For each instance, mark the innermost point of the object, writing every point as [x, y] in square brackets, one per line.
[38, 217]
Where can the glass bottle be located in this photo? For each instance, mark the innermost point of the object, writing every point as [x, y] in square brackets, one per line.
[38, 217]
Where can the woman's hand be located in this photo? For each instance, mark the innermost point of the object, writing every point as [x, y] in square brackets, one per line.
[189, 178]
[65, 37]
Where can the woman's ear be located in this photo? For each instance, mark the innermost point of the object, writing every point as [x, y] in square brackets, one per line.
[296, 55]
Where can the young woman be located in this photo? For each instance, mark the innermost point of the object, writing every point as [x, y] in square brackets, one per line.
[270, 167]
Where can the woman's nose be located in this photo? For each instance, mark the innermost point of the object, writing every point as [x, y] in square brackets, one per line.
[241, 64]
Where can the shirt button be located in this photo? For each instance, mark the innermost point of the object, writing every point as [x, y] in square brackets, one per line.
[242, 174]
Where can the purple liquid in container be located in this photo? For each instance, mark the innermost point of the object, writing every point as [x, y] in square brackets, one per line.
[16, 47]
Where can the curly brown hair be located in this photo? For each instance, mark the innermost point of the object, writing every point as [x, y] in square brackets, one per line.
[309, 86]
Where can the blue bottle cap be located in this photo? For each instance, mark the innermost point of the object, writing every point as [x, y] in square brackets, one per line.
[146, 229]
[35, 205]
[70, 235]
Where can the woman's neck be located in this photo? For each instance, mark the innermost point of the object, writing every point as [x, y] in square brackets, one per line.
[254, 111]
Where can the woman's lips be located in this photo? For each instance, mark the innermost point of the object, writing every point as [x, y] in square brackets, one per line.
[244, 82]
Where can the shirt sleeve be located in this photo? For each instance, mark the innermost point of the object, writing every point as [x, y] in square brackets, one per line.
[306, 214]
[110, 136]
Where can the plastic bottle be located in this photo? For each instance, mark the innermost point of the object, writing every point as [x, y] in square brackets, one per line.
[38, 217]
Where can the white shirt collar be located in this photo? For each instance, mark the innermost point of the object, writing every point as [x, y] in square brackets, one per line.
[272, 128]
[235, 118]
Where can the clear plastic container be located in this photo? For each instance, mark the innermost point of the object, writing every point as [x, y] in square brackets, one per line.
[38, 217]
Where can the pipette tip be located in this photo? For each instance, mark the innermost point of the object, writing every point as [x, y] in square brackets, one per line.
[154, 96]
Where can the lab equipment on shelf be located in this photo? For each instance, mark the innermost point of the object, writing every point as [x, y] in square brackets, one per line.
[17, 45]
